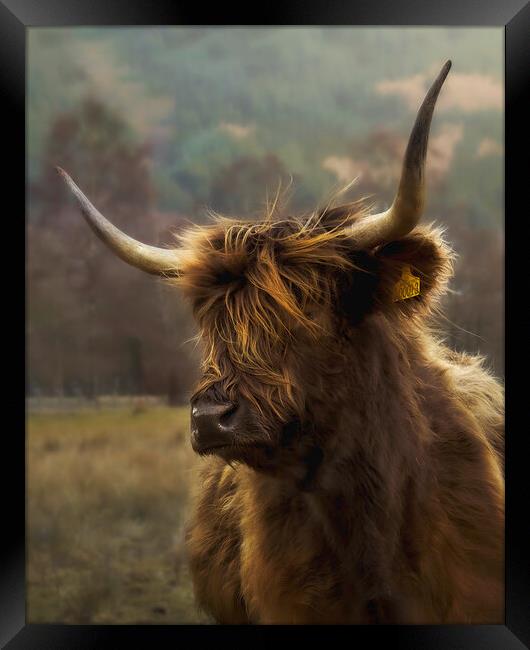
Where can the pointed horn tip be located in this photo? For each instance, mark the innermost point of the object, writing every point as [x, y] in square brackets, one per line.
[67, 179]
[64, 175]
[445, 70]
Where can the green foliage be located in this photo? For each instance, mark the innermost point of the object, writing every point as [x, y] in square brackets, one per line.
[307, 93]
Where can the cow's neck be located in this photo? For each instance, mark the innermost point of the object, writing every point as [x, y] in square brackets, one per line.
[374, 464]
[363, 492]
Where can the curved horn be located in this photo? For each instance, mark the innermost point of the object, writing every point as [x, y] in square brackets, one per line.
[407, 207]
[150, 259]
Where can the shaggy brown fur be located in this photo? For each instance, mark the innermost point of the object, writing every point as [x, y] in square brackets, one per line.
[370, 489]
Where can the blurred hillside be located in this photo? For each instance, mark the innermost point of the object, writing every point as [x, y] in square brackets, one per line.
[159, 124]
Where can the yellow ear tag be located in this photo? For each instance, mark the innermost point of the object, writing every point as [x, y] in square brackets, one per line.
[407, 286]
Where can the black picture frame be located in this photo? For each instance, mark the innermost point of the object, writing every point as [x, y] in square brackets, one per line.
[15, 17]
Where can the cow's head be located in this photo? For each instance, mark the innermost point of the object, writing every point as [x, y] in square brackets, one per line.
[278, 302]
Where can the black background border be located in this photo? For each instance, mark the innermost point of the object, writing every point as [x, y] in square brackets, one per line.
[514, 15]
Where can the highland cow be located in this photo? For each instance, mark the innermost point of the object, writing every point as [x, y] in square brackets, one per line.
[354, 463]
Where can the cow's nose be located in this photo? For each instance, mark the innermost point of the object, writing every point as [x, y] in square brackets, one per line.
[213, 424]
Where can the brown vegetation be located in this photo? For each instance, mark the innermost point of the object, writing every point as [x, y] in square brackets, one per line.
[107, 499]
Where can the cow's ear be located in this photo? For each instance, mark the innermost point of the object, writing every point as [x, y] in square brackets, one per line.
[422, 255]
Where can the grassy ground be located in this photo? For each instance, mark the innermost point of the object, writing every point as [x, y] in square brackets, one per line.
[108, 497]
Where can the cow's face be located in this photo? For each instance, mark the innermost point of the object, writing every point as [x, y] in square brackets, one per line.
[276, 303]
[266, 297]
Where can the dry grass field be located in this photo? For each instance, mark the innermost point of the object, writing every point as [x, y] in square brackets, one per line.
[108, 496]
